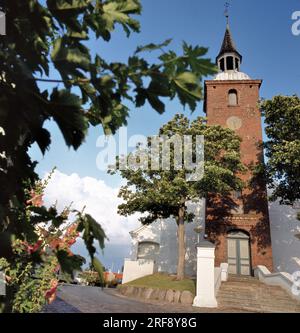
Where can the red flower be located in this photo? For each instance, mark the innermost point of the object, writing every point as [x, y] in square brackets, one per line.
[56, 243]
[71, 230]
[50, 294]
[71, 241]
[33, 248]
[36, 199]
[56, 269]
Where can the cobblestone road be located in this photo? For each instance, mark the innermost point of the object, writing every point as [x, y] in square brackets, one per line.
[76, 299]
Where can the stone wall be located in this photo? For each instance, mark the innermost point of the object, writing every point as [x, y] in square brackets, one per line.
[162, 295]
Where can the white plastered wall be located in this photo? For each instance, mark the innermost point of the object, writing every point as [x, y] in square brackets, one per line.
[164, 232]
[286, 247]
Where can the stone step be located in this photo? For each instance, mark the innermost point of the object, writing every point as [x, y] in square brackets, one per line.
[258, 305]
[255, 302]
[256, 295]
[256, 298]
[262, 310]
[259, 289]
[253, 293]
[281, 309]
[257, 292]
[250, 294]
[240, 278]
[243, 308]
[243, 285]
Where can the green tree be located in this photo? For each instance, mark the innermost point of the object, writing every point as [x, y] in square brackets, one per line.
[282, 149]
[165, 193]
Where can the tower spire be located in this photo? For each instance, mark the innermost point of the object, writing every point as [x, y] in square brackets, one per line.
[227, 5]
[229, 58]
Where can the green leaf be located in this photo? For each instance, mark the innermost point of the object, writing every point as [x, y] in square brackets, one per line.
[43, 214]
[160, 86]
[69, 4]
[99, 268]
[118, 12]
[65, 108]
[194, 52]
[43, 139]
[189, 83]
[69, 263]
[63, 53]
[152, 47]
[91, 231]
[156, 103]
[79, 35]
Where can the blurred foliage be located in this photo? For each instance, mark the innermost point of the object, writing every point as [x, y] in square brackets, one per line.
[282, 148]
[49, 38]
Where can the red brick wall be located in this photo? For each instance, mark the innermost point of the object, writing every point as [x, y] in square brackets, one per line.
[254, 219]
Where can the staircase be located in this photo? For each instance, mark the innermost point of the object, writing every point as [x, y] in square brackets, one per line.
[249, 294]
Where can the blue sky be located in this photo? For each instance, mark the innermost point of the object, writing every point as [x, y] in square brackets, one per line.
[262, 33]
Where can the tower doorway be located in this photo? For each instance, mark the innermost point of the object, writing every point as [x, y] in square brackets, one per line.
[238, 251]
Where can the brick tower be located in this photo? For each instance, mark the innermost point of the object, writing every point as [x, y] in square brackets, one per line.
[239, 224]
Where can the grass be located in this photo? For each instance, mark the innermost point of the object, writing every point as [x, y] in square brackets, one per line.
[164, 281]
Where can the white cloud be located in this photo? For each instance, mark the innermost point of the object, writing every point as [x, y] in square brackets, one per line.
[100, 200]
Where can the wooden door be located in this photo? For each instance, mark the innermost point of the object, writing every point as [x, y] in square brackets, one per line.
[238, 253]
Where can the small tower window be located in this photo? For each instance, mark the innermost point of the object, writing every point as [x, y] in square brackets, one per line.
[222, 64]
[237, 64]
[229, 63]
[233, 97]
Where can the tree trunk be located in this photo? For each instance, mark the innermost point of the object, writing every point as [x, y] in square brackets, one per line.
[181, 244]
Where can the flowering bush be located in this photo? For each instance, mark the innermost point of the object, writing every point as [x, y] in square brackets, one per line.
[90, 278]
[44, 251]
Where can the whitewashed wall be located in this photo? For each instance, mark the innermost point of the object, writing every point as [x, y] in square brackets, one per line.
[286, 247]
[284, 227]
[164, 232]
[135, 269]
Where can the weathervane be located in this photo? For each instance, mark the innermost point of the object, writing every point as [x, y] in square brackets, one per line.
[227, 5]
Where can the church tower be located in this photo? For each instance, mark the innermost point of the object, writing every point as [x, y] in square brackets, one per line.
[238, 225]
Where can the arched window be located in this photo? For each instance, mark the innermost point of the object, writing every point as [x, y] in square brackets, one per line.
[222, 64]
[230, 64]
[148, 250]
[232, 97]
[237, 64]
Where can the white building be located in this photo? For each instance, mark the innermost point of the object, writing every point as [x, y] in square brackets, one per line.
[154, 247]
